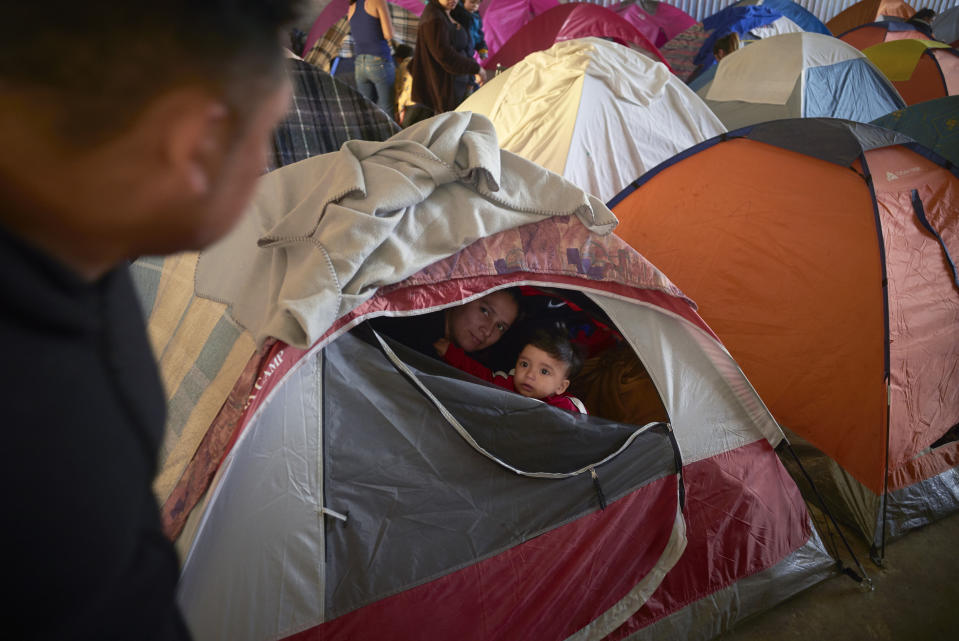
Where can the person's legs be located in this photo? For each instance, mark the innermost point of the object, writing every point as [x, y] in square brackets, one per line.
[379, 74]
[362, 68]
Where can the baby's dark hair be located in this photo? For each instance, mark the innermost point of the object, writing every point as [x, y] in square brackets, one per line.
[555, 342]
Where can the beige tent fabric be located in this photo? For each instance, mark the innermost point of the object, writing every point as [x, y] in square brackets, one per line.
[547, 88]
[766, 71]
[324, 234]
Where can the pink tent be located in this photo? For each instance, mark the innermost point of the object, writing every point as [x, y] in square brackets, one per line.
[567, 22]
[672, 20]
[658, 21]
[635, 16]
[503, 18]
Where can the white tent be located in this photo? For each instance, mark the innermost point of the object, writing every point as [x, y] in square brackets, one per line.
[595, 112]
[798, 75]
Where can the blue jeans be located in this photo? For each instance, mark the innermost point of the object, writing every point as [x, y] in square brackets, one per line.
[374, 79]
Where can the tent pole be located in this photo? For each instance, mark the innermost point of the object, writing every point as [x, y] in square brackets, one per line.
[862, 578]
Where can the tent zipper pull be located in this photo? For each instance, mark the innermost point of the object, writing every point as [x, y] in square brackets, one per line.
[598, 488]
[336, 515]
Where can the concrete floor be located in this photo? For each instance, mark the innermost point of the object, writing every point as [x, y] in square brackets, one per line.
[915, 598]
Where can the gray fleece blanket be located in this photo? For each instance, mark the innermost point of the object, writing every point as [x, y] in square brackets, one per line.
[322, 235]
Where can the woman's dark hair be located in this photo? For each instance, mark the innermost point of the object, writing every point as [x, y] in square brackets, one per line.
[555, 342]
[727, 44]
[520, 301]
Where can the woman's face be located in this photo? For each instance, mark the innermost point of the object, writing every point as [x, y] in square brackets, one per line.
[480, 323]
[449, 5]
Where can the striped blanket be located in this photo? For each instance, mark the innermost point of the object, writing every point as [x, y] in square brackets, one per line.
[680, 51]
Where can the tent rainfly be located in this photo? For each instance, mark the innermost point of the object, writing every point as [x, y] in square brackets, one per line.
[867, 35]
[932, 123]
[808, 75]
[867, 11]
[572, 111]
[823, 253]
[920, 70]
[566, 22]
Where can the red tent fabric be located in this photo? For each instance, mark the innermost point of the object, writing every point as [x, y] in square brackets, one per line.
[566, 22]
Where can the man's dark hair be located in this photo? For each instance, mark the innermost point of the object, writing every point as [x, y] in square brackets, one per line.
[555, 342]
[99, 63]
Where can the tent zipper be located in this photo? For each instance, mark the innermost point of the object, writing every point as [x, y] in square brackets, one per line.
[598, 488]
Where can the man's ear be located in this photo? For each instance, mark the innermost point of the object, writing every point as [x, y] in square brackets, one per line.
[196, 139]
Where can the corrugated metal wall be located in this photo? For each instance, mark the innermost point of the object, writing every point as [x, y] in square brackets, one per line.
[822, 9]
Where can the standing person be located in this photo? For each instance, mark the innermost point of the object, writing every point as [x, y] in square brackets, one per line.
[374, 69]
[467, 13]
[403, 87]
[128, 128]
[441, 67]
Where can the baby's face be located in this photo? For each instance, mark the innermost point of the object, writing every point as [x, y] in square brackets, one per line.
[538, 374]
[471, 5]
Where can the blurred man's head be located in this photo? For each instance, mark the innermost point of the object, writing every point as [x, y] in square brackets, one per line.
[134, 127]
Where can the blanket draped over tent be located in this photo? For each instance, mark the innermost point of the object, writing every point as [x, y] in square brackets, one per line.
[323, 251]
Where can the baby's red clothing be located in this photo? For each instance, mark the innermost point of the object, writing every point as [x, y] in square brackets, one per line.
[456, 357]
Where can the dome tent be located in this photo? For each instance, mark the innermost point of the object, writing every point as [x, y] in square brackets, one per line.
[874, 33]
[931, 123]
[669, 20]
[503, 18]
[422, 548]
[796, 13]
[567, 22]
[806, 75]
[754, 20]
[570, 110]
[946, 26]
[867, 11]
[816, 255]
[919, 69]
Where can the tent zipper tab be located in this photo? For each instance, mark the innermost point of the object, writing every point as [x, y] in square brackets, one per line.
[598, 488]
[336, 515]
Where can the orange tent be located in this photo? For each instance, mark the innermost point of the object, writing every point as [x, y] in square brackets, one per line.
[874, 33]
[868, 11]
[919, 69]
[823, 254]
